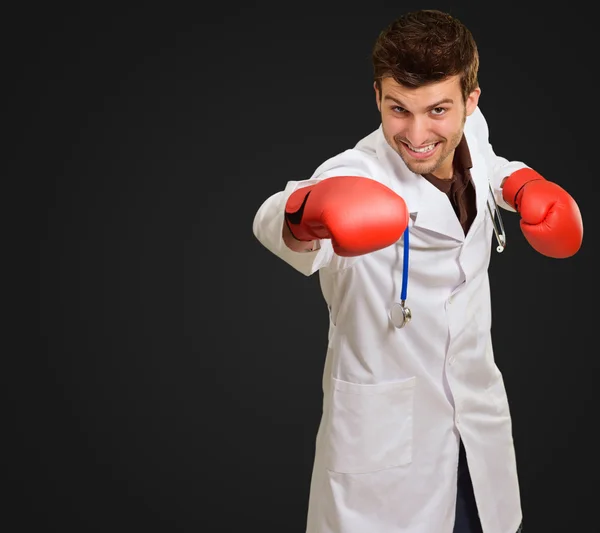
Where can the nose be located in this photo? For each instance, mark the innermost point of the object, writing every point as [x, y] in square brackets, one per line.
[417, 132]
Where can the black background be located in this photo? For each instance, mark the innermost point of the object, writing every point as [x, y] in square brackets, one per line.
[176, 382]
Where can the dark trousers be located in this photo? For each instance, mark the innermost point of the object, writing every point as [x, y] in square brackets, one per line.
[467, 517]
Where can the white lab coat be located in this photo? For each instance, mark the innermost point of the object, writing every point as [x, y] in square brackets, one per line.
[396, 401]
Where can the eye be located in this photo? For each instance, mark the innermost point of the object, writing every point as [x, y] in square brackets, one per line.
[398, 109]
[438, 111]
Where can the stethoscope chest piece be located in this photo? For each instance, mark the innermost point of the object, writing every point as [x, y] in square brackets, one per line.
[400, 315]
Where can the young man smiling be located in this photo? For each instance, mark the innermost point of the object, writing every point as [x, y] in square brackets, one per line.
[416, 434]
[425, 125]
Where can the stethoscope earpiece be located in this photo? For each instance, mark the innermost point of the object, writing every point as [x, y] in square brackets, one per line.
[499, 231]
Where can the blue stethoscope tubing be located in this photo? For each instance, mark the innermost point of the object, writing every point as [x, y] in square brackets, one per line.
[400, 314]
[405, 266]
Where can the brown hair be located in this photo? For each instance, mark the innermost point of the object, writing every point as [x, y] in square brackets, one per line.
[426, 46]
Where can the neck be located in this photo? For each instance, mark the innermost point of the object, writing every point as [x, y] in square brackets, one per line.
[446, 169]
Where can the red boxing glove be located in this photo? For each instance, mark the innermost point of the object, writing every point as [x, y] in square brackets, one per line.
[359, 215]
[550, 219]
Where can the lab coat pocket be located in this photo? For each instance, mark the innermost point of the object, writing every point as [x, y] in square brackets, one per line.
[370, 426]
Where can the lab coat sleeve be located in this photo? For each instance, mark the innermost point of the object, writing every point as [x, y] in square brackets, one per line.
[269, 220]
[500, 167]
[268, 225]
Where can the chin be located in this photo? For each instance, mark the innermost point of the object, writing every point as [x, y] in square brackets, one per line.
[420, 167]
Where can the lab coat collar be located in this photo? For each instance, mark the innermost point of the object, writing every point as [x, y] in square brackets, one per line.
[479, 174]
[428, 206]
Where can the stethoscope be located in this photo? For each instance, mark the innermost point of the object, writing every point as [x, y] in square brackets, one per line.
[400, 314]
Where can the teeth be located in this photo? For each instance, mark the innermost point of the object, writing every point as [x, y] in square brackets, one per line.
[421, 150]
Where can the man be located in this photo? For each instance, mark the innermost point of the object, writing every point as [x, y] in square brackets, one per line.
[416, 432]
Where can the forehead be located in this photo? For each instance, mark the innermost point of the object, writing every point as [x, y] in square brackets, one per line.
[425, 95]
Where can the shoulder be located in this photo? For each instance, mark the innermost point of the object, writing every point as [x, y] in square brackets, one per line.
[361, 160]
[476, 125]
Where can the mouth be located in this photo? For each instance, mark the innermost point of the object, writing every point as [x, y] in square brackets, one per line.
[422, 152]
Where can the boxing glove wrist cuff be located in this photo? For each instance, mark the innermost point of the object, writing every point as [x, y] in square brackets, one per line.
[515, 183]
[294, 210]
[289, 227]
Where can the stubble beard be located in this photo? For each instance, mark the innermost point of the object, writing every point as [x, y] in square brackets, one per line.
[428, 167]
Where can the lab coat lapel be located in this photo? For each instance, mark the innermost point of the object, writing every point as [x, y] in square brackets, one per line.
[479, 176]
[437, 214]
[429, 207]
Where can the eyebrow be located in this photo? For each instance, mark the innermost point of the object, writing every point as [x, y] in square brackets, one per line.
[433, 106]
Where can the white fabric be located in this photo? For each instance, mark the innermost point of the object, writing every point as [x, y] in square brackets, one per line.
[396, 400]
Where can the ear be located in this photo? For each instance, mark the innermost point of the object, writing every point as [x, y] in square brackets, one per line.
[377, 96]
[473, 100]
